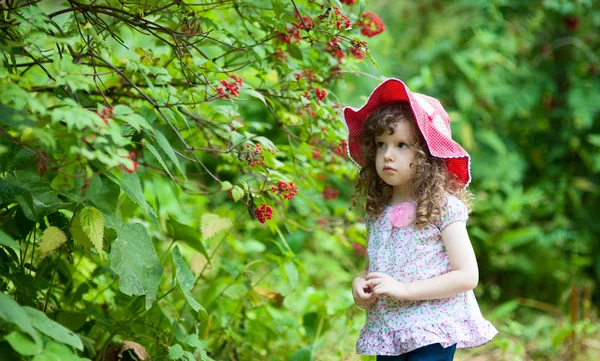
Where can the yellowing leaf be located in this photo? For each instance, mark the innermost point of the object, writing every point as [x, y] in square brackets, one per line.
[92, 223]
[211, 224]
[52, 238]
[87, 228]
[78, 234]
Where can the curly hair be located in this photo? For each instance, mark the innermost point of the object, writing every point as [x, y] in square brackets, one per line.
[431, 180]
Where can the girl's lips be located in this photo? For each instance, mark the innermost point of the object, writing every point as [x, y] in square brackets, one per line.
[389, 170]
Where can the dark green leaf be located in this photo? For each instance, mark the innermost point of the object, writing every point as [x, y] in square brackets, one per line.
[11, 312]
[52, 329]
[133, 257]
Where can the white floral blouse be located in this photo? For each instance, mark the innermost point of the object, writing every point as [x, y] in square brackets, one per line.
[409, 254]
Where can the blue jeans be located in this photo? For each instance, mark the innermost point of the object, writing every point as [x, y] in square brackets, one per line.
[435, 352]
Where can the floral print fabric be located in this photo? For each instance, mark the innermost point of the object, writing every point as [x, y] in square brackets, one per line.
[409, 254]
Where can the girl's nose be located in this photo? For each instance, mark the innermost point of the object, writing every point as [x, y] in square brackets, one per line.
[388, 155]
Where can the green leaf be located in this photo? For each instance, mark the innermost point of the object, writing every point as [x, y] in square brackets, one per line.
[184, 275]
[53, 329]
[185, 279]
[11, 312]
[6, 240]
[104, 194]
[164, 144]
[57, 352]
[136, 121]
[79, 234]
[256, 94]
[190, 356]
[131, 185]
[372, 60]
[212, 224]
[51, 239]
[73, 320]
[304, 354]
[23, 344]
[237, 193]
[8, 191]
[133, 257]
[175, 352]
[290, 273]
[156, 155]
[39, 199]
[295, 52]
[520, 236]
[225, 186]
[594, 139]
[182, 232]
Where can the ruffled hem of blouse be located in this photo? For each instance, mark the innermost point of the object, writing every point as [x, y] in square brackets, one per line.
[466, 334]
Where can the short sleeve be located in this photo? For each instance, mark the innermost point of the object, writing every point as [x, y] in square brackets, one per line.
[453, 211]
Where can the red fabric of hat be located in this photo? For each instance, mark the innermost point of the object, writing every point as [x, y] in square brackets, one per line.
[431, 118]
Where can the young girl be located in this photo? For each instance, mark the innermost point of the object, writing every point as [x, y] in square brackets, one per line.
[421, 268]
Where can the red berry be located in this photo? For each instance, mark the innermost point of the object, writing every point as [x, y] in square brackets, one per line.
[371, 24]
[264, 213]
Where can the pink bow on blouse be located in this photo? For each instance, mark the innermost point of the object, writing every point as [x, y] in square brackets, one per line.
[403, 214]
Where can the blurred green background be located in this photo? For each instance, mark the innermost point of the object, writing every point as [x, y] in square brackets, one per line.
[518, 78]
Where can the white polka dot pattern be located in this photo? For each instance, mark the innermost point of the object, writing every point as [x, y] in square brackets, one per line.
[439, 124]
[424, 104]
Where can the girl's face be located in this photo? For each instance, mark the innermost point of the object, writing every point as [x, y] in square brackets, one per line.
[395, 154]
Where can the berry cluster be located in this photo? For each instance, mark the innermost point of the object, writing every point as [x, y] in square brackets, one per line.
[306, 73]
[371, 24]
[134, 167]
[333, 48]
[292, 34]
[341, 20]
[342, 149]
[264, 213]
[358, 49]
[305, 21]
[106, 114]
[348, 2]
[319, 93]
[322, 222]
[287, 190]
[316, 153]
[329, 193]
[254, 157]
[359, 249]
[232, 87]
[572, 23]
[279, 56]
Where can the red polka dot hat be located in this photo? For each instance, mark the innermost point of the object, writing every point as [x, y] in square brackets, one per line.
[432, 121]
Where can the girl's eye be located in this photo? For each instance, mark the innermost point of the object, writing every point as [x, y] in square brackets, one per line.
[402, 145]
[380, 144]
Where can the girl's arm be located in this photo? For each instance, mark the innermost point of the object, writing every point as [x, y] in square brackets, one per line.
[463, 277]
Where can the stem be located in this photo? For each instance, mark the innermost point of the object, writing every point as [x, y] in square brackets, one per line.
[317, 335]
[50, 289]
[33, 249]
[162, 259]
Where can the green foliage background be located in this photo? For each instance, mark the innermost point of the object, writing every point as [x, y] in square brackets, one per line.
[170, 256]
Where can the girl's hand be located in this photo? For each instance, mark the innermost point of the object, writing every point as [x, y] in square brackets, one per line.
[384, 285]
[362, 292]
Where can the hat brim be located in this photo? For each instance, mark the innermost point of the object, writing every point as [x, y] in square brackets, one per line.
[391, 90]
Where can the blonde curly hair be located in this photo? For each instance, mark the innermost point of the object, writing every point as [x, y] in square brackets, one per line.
[431, 179]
